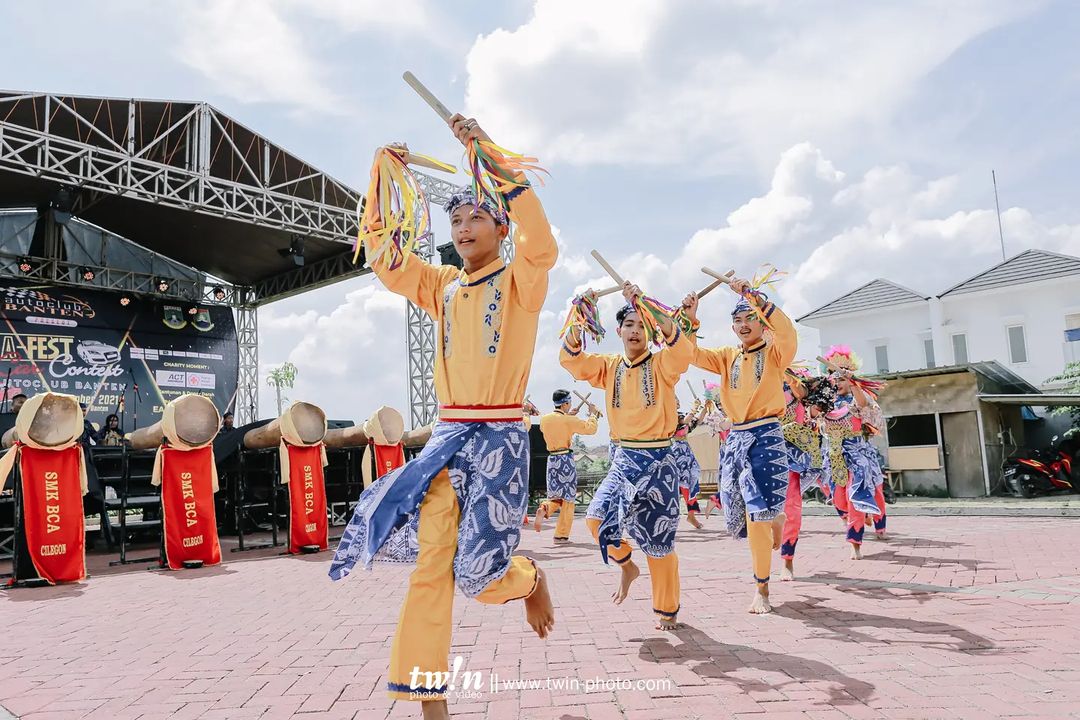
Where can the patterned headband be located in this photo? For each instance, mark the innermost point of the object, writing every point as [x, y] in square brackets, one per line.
[466, 197]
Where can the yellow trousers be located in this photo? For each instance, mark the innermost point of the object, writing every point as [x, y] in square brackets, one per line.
[566, 516]
[419, 656]
[759, 535]
[663, 573]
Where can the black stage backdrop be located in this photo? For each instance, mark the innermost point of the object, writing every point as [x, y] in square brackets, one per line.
[86, 343]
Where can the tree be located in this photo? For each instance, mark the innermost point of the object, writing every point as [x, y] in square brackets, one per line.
[281, 377]
[1070, 379]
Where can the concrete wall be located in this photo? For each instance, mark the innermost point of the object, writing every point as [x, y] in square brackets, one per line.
[901, 329]
[1003, 432]
[1040, 307]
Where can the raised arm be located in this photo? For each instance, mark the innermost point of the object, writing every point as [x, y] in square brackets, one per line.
[584, 427]
[588, 367]
[785, 338]
[535, 250]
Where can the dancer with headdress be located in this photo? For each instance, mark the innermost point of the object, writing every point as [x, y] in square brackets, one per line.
[807, 398]
[754, 473]
[559, 428]
[456, 510]
[640, 495]
[856, 472]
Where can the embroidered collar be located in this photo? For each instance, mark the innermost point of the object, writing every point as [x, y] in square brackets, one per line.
[756, 347]
[559, 412]
[637, 361]
[485, 273]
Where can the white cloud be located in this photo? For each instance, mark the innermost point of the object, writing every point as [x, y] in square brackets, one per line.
[268, 50]
[712, 85]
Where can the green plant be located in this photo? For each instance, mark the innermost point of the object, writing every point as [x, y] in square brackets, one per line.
[281, 377]
[1070, 379]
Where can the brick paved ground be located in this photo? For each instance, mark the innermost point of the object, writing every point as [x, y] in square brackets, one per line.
[954, 618]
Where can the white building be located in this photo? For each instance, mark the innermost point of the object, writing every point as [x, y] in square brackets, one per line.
[1024, 313]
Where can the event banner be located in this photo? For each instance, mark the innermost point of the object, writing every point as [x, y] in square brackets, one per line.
[88, 344]
[53, 513]
[187, 503]
[307, 498]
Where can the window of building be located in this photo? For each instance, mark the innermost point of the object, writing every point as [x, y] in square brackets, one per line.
[928, 351]
[959, 349]
[1072, 328]
[909, 430]
[1017, 344]
[881, 353]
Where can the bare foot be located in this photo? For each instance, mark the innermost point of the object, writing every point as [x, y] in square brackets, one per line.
[881, 535]
[559, 540]
[541, 513]
[778, 531]
[665, 624]
[435, 710]
[630, 572]
[760, 605]
[539, 612]
[691, 517]
[788, 573]
[856, 552]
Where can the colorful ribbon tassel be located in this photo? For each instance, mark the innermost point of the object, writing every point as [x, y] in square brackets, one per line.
[395, 214]
[585, 315]
[495, 171]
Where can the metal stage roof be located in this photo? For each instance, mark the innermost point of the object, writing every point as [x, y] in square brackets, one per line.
[184, 180]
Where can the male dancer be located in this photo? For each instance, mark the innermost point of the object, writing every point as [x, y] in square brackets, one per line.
[753, 465]
[640, 494]
[686, 462]
[457, 509]
[559, 428]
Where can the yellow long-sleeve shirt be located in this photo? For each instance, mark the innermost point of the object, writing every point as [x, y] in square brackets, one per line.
[640, 392]
[559, 429]
[752, 379]
[486, 320]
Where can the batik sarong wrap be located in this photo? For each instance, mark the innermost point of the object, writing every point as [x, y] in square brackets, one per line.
[640, 498]
[753, 475]
[688, 467]
[488, 465]
[561, 477]
[611, 448]
[862, 462]
[804, 453]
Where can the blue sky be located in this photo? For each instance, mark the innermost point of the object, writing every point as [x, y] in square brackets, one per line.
[839, 140]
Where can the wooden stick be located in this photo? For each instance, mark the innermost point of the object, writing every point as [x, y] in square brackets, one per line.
[692, 391]
[428, 97]
[831, 366]
[608, 291]
[610, 270]
[584, 400]
[722, 278]
[714, 284]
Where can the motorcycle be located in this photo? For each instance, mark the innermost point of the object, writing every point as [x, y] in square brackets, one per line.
[1032, 472]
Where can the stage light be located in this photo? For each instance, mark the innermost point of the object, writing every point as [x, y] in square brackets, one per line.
[87, 274]
[219, 293]
[193, 310]
[125, 300]
[295, 250]
[25, 266]
[163, 285]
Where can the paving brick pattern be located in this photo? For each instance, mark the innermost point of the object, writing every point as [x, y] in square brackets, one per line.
[958, 617]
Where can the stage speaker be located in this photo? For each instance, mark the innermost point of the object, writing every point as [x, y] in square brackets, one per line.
[449, 256]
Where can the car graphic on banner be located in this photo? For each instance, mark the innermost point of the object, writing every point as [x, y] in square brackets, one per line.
[93, 352]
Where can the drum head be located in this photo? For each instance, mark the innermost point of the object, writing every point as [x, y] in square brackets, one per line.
[309, 421]
[55, 420]
[196, 420]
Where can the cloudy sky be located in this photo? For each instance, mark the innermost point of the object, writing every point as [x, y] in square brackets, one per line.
[841, 141]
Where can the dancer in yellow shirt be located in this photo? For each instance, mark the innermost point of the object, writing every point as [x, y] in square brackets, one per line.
[640, 495]
[559, 428]
[457, 509]
[754, 471]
